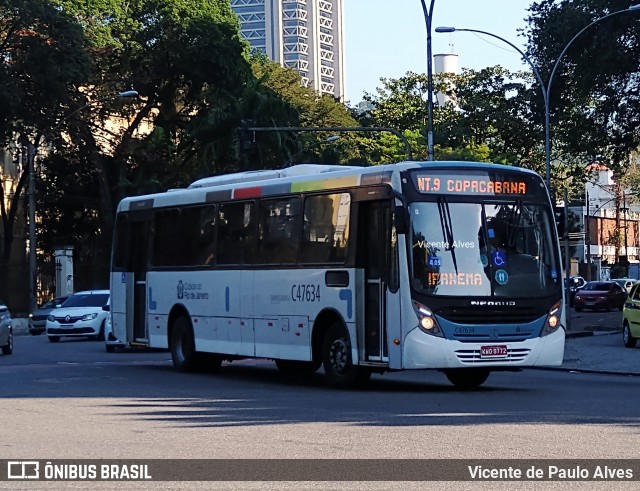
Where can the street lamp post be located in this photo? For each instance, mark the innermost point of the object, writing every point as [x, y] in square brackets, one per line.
[545, 88]
[32, 150]
[428, 14]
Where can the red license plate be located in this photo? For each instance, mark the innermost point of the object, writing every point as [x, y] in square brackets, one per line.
[499, 351]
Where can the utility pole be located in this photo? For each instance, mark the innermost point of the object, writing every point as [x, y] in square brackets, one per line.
[567, 259]
[587, 238]
[31, 191]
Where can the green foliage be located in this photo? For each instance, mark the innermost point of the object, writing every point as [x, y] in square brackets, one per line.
[595, 109]
[489, 119]
[42, 62]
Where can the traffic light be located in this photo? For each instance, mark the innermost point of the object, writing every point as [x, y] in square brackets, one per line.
[559, 213]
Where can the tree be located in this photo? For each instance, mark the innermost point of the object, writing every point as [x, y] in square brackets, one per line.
[42, 64]
[490, 120]
[594, 103]
[188, 63]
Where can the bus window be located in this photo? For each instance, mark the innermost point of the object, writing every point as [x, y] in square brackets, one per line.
[167, 239]
[236, 233]
[204, 245]
[279, 230]
[326, 228]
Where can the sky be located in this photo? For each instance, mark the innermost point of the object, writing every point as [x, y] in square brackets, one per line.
[387, 38]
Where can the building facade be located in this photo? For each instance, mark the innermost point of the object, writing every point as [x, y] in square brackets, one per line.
[306, 35]
[610, 224]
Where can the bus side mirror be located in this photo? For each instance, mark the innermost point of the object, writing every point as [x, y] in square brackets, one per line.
[401, 219]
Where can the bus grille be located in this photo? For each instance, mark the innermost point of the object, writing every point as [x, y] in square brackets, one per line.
[473, 315]
[472, 356]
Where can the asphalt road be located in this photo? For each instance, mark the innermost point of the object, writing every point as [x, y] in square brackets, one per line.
[73, 400]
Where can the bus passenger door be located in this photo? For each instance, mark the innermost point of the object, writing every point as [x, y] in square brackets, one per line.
[139, 246]
[380, 303]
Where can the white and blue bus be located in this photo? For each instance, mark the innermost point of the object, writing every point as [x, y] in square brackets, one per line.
[452, 266]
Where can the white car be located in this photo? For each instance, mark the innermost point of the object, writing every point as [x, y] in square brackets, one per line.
[625, 283]
[82, 315]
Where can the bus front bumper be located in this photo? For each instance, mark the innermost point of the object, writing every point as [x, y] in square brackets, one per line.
[423, 351]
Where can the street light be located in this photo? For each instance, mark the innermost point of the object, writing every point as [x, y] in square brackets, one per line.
[545, 88]
[427, 18]
[32, 149]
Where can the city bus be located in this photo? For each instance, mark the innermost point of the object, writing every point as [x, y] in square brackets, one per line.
[448, 266]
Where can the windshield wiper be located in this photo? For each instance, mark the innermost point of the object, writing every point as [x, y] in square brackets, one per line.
[447, 229]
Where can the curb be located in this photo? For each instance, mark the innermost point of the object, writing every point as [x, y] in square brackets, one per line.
[588, 370]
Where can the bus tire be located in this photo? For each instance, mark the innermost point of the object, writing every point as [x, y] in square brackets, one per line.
[467, 378]
[336, 359]
[182, 345]
[183, 350]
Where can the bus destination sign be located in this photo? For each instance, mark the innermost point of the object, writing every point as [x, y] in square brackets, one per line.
[470, 184]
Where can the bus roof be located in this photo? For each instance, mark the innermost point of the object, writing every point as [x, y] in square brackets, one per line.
[298, 178]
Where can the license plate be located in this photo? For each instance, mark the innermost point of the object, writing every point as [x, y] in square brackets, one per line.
[499, 351]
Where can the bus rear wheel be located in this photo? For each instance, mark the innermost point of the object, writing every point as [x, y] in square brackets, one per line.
[338, 364]
[467, 378]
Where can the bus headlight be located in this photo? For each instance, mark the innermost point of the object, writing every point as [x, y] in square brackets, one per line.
[552, 322]
[426, 320]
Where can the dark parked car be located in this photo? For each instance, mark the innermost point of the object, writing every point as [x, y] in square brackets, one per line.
[38, 318]
[6, 330]
[574, 283]
[597, 295]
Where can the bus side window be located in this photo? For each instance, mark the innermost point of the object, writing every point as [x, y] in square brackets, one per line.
[168, 239]
[279, 231]
[205, 245]
[326, 228]
[236, 233]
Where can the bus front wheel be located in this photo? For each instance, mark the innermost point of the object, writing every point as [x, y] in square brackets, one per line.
[336, 359]
[467, 378]
[183, 350]
[182, 345]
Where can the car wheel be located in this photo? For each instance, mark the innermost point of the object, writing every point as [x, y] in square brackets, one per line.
[100, 336]
[467, 378]
[54, 339]
[336, 359]
[628, 340]
[7, 349]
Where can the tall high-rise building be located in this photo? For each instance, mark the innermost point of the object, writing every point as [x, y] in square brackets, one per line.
[306, 35]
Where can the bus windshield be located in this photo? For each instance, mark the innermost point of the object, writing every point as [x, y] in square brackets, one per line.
[483, 249]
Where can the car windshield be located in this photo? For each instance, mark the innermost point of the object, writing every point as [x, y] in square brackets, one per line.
[87, 300]
[483, 249]
[597, 286]
[51, 304]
